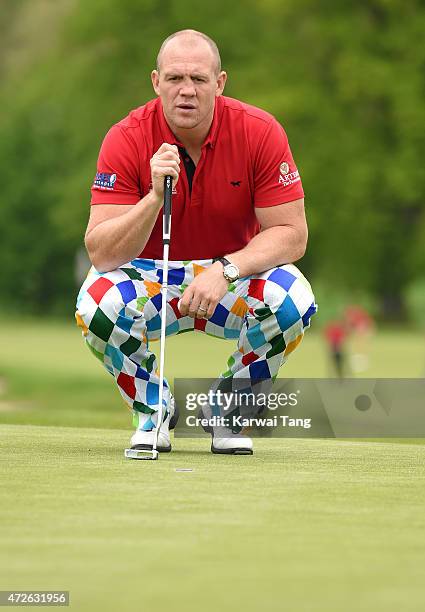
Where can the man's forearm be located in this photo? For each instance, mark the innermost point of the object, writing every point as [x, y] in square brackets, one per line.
[271, 247]
[119, 240]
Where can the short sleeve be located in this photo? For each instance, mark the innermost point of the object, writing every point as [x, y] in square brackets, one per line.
[276, 178]
[117, 177]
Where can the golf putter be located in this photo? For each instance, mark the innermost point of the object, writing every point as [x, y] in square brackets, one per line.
[138, 453]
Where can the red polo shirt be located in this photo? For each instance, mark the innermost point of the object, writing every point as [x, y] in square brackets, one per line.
[245, 163]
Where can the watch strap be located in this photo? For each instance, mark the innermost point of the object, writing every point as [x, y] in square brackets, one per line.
[224, 261]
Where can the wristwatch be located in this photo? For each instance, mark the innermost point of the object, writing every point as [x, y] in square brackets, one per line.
[230, 271]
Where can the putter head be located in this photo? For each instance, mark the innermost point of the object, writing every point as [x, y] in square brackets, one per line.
[141, 454]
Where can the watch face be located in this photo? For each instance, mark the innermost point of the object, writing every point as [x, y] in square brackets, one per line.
[232, 273]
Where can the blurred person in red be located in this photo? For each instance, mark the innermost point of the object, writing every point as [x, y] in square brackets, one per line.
[360, 326]
[335, 335]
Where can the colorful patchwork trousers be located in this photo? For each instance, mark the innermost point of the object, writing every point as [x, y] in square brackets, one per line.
[119, 313]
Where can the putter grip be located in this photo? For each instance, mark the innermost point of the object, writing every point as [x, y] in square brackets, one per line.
[168, 190]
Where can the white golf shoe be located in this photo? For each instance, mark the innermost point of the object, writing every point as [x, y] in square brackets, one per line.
[224, 442]
[143, 440]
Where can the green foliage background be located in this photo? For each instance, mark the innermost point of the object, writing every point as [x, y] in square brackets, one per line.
[346, 79]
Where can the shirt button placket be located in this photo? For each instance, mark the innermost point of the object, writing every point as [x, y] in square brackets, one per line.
[197, 190]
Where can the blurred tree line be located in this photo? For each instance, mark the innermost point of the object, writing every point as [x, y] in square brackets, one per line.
[346, 79]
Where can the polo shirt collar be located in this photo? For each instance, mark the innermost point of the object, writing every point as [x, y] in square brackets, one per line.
[211, 138]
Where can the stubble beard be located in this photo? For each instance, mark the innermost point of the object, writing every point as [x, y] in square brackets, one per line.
[187, 123]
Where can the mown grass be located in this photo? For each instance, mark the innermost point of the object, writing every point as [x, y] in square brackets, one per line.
[314, 525]
[317, 525]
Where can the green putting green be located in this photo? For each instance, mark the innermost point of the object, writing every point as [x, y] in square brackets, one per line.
[314, 525]
[301, 525]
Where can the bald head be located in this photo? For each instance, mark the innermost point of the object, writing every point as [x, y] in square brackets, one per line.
[190, 39]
